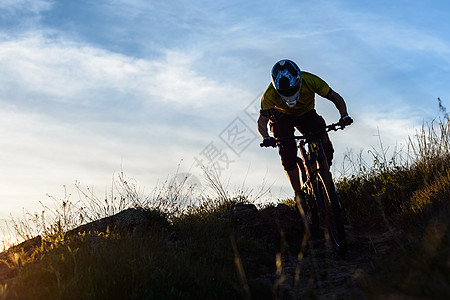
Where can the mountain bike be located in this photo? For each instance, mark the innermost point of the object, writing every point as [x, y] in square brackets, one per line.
[321, 204]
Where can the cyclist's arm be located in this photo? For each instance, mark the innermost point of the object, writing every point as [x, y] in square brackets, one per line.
[338, 102]
[262, 126]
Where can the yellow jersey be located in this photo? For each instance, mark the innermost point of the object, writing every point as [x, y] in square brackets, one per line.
[311, 85]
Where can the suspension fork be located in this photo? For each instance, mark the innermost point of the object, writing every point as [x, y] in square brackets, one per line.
[309, 158]
[322, 161]
[305, 170]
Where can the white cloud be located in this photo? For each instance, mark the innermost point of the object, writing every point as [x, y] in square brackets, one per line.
[373, 135]
[23, 6]
[395, 37]
[40, 155]
[43, 151]
[64, 71]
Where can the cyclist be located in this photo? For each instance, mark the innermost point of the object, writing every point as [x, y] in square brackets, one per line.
[288, 103]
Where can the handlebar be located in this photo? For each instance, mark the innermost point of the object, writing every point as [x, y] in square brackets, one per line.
[335, 127]
[330, 127]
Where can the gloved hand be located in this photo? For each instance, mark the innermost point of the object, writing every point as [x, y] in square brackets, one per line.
[269, 142]
[345, 121]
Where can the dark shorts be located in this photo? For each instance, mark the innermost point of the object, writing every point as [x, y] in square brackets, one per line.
[284, 128]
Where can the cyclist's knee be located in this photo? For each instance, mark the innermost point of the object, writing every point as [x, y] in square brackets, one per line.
[289, 164]
[288, 155]
[328, 149]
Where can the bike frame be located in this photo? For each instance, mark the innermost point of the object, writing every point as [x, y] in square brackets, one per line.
[312, 156]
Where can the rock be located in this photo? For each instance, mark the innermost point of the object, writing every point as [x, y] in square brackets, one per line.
[27, 246]
[125, 221]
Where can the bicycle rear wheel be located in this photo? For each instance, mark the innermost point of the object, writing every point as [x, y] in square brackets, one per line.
[332, 212]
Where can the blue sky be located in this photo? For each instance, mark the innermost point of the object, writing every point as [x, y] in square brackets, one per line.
[90, 88]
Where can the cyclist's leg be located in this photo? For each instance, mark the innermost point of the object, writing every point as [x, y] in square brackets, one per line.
[283, 129]
[294, 179]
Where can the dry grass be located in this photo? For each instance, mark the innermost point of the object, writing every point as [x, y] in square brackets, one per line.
[412, 198]
[162, 261]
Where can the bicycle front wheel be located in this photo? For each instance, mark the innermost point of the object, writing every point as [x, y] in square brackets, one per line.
[332, 212]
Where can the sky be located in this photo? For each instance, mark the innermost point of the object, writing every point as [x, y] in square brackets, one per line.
[153, 89]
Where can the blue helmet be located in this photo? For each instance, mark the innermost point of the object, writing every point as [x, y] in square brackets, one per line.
[287, 81]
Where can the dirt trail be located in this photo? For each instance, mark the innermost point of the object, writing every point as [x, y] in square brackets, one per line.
[325, 275]
[321, 272]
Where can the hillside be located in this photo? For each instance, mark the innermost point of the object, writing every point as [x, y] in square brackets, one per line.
[234, 252]
[227, 248]
[230, 254]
